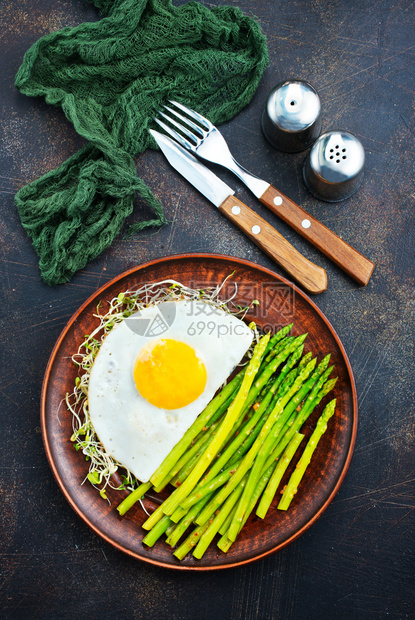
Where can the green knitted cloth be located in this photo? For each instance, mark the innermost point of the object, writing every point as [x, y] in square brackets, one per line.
[111, 77]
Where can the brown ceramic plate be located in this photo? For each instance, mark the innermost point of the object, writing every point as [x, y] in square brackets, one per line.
[280, 303]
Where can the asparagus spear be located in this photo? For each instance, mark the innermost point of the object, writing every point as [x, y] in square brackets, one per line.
[305, 359]
[248, 427]
[140, 491]
[307, 410]
[251, 455]
[170, 529]
[282, 464]
[248, 441]
[157, 531]
[235, 409]
[207, 530]
[275, 468]
[209, 486]
[206, 535]
[270, 469]
[297, 475]
[188, 460]
[153, 518]
[133, 497]
[267, 372]
[173, 501]
[247, 431]
[201, 421]
[266, 448]
[190, 542]
[186, 521]
[225, 543]
[206, 487]
[279, 335]
[196, 444]
[214, 525]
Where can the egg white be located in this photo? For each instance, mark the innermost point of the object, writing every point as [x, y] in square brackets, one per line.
[136, 433]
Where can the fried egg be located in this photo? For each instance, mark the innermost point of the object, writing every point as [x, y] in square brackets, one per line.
[155, 372]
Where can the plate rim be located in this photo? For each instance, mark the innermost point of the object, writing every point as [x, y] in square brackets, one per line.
[52, 359]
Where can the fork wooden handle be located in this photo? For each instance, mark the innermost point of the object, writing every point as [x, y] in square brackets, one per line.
[347, 258]
[312, 277]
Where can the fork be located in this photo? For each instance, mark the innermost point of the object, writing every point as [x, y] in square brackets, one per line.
[198, 135]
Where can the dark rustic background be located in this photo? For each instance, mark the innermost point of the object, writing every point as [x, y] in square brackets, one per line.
[357, 561]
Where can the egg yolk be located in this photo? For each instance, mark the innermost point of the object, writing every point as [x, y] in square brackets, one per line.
[168, 374]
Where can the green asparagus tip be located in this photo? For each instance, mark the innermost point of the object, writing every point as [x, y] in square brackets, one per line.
[310, 366]
[324, 362]
[296, 477]
[330, 384]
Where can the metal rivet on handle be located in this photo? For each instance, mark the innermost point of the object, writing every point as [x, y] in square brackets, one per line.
[236, 210]
[277, 200]
[256, 229]
[306, 223]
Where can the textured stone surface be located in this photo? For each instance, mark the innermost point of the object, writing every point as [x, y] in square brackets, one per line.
[357, 560]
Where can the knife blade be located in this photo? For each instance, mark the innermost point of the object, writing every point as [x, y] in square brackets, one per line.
[312, 277]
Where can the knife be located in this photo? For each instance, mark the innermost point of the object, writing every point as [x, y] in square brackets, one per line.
[341, 253]
[312, 277]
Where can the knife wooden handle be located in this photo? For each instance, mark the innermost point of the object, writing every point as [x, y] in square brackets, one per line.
[347, 258]
[306, 273]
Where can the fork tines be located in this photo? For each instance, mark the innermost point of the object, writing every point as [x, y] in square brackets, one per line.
[185, 126]
[194, 115]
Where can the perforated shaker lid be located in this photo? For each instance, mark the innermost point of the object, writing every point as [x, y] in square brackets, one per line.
[334, 167]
